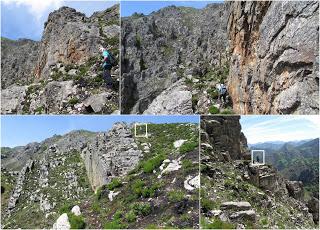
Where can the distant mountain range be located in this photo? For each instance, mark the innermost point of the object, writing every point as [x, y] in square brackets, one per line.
[296, 160]
[276, 144]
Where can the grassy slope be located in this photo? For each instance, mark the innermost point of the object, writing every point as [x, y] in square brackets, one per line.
[144, 200]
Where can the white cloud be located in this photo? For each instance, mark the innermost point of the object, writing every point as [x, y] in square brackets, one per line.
[38, 8]
[280, 128]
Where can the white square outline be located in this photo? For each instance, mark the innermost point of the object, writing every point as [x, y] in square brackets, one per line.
[263, 157]
[135, 130]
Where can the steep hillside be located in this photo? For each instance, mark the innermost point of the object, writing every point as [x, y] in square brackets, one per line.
[236, 194]
[274, 66]
[110, 179]
[62, 73]
[172, 59]
[297, 162]
[266, 52]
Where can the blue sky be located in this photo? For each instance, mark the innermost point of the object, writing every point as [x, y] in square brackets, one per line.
[280, 128]
[21, 130]
[26, 18]
[146, 7]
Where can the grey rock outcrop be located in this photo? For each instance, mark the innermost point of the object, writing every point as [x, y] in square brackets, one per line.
[11, 99]
[57, 74]
[70, 37]
[177, 99]
[313, 205]
[274, 57]
[295, 189]
[19, 184]
[165, 46]
[111, 154]
[223, 134]
[18, 59]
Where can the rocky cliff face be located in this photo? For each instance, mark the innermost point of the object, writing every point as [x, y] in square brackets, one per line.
[165, 46]
[107, 179]
[111, 155]
[274, 57]
[222, 137]
[62, 72]
[18, 59]
[237, 194]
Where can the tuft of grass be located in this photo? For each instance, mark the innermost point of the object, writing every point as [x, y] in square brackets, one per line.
[131, 216]
[141, 208]
[73, 101]
[206, 205]
[115, 183]
[213, 110]
[175, 196]
[153, 163]
[76, 222]
[217, 224]
[115, 224]
[188, 146]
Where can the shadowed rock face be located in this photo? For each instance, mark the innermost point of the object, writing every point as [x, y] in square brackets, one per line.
[225, 136]
[165, 46]
[274, 57]
[18, 59]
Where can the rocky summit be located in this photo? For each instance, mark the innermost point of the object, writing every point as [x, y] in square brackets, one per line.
[105, 180]
[238, 194]
[62, 73]
[266, 52]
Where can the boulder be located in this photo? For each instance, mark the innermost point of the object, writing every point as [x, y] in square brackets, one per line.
[97, 102]
[62, 223]
[237, 206]
[295, 189]
[244, 215]
[76, 210]
[12, 99]
[177, 99]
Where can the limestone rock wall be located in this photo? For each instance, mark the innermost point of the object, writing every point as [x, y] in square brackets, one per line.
[165, 46]
[223, 134]
[274, 57]
[110, 155]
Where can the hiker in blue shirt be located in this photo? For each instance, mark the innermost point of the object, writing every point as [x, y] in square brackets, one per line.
[107, 65]
[222, 89]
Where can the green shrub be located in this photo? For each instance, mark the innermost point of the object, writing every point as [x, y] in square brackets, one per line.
[218, 224]
[131, 216]
[138, 41]
[175, 196]
[118, 214]
[152, 226]
[188, 146]
[213, 110]
[73, 101]
[187, 164]
[141, 208]
[206, 205]
[76, 222]
[153, 163]
[96, 207]
[115, 183]
[65, 208]
[115, 224]
[39, 109]
[213, 93]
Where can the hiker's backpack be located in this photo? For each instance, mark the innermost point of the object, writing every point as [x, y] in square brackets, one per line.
[223, 89]
[112, 61]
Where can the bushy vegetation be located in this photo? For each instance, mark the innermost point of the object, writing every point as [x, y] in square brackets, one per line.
[188, 146]
[115, 183]
[175, 196]
[153, 163]
[217, 224]
[131, 216]
[213, 110]
[76, 222]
